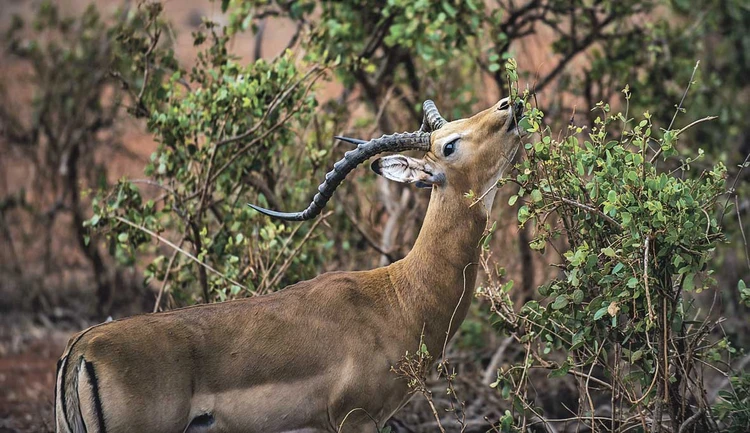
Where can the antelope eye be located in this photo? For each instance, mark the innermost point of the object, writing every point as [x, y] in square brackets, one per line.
[504, 105]
[449, 148]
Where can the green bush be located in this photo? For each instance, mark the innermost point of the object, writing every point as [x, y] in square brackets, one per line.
[635, 242]
[733, 406]
[221, 128]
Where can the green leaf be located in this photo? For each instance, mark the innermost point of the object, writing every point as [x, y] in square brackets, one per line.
[578, 296]
[449, 9]
[635, 356]
[523, 214]
[618, 268]
[688, 285]
[560, 372]
[600, 313]
[609, 252]
[560, 302]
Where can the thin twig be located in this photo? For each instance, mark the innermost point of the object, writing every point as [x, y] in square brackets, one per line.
[742, 230]
[592, 210]
[693, 123]
[733, 190]
[157, 303]
[455, 309]
[294, 253]
[491, 371]
[154, 184]
[147, 70]
[174, 246]
[690, 421]
[271, 107]
[370, 240]
[357, 409]
[679, 107]
[589, 377]
[645, 278]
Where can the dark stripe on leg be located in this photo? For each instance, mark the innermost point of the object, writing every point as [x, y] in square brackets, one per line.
[59, 378]
[63, 364]
[95, 391]
[66, 355]
[57, 374]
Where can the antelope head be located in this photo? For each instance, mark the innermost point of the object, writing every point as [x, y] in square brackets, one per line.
[461, 156]
[465, 155]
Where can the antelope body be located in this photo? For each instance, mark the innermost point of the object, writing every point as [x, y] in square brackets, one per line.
[315, 356]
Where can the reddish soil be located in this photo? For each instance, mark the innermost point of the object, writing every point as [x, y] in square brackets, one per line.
[28, 355]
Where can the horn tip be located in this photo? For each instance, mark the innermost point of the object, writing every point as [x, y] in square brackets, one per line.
[287, 216]
[356, 141]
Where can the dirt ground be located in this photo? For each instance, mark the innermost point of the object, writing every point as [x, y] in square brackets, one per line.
[28, 355]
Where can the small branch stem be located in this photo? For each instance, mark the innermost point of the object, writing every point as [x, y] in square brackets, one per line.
[178, 248]
[592, 210]
[679, 107]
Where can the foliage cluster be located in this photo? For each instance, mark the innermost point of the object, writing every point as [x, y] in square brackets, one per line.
[222, 129]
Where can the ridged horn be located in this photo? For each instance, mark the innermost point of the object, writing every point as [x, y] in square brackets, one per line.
[432, 119]
[351, 159]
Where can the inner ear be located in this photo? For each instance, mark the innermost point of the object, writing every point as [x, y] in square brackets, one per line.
[406, 169]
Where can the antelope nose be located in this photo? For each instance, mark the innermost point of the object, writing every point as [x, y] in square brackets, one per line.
[518, 108]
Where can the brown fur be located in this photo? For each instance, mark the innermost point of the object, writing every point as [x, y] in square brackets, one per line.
[302, 358]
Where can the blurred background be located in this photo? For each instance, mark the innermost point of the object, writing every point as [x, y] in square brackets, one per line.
[118, 112]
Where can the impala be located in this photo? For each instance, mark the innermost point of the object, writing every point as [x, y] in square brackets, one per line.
[315, 356]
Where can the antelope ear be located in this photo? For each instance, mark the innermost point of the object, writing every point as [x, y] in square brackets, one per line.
[405, 169]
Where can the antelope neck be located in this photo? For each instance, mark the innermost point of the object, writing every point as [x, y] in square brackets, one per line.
[450, 232]
[440, 271]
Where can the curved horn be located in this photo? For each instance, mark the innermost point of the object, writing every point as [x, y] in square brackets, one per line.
[355, 141]
[351, 159]
[432, 119]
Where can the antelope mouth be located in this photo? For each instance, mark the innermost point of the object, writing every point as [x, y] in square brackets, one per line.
[516, 117]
